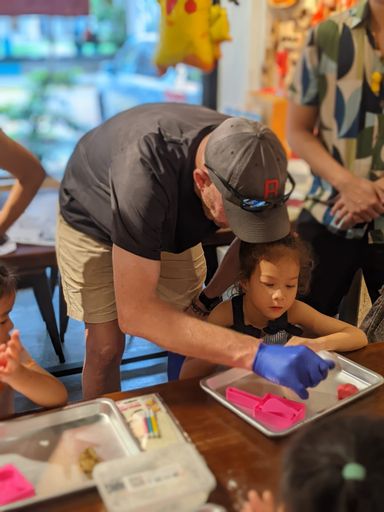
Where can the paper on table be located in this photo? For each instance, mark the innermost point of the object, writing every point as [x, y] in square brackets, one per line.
[7, 247]
[37, 225]
[169, 431]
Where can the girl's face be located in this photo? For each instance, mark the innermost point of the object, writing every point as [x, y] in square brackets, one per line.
[272, 287]
[6, 324]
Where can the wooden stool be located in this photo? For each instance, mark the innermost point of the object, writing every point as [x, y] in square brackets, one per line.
[29, 262]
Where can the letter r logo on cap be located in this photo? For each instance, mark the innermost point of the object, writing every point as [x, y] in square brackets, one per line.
[271, 188]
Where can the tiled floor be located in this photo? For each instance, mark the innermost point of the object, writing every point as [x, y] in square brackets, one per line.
[27, 319]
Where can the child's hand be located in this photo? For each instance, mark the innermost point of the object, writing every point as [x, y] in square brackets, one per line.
[10, 357]
[256, 503]
[315, 344]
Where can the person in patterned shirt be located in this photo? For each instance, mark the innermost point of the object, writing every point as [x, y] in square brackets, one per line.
[336, 123]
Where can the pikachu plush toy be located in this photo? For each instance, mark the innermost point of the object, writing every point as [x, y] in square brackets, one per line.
[191, 32]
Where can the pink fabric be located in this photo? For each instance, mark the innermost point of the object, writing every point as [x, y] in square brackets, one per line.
[13, 485]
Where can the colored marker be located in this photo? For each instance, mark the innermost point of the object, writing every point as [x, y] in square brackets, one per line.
[155, 425]
[149, 424]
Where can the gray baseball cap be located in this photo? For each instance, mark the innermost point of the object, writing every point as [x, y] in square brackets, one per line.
[248, 165]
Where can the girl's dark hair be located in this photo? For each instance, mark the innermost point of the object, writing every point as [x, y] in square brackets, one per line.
[251, 254]
[7, 281]
[312, 478]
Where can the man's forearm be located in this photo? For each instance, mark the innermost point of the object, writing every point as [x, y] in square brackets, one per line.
[310, 149]
[179, 332]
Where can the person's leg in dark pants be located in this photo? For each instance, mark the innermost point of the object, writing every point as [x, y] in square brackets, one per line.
[336, 261]
[373, 269]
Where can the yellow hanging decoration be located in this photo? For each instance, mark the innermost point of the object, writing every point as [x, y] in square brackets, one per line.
[191, 32]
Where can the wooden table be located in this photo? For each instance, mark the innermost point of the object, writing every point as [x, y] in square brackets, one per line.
[238, 455]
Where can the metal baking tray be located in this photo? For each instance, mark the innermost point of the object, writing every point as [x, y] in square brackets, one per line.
[322, 399]
[46, 447]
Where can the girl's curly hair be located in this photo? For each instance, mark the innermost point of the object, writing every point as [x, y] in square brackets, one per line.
[251, 254]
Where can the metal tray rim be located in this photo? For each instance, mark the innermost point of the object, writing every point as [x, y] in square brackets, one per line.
[40, 414]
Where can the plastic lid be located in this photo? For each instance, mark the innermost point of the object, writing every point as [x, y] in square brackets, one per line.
[174, 478]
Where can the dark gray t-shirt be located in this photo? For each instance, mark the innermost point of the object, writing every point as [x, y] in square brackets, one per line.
[129, 181]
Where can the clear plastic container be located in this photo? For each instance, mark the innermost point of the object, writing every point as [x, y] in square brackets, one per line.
[171, 479]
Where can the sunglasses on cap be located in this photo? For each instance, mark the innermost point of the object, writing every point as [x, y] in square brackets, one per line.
[252, 204]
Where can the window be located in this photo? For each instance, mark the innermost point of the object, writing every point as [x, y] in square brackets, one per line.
[62, 75]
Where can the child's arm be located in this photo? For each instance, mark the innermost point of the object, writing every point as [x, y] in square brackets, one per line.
[332, 334]
[27, 377]
[194, 367]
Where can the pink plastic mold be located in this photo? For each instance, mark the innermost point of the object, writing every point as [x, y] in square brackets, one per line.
[13, 485]
[272, 410]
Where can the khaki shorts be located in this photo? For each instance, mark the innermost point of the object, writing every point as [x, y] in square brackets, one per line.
[85, 266]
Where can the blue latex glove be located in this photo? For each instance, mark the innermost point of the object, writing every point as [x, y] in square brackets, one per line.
[296, 367]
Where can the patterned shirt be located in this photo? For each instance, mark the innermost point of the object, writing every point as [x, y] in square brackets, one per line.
[341, 71]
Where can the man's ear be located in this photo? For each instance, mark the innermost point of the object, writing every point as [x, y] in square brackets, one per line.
[201, 178]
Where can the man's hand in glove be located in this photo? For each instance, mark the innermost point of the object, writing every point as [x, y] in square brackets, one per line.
[296, 367]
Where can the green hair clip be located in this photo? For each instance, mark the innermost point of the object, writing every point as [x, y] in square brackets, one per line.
[353, 471]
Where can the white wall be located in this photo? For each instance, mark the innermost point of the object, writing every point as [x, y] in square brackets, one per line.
[241, 63]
